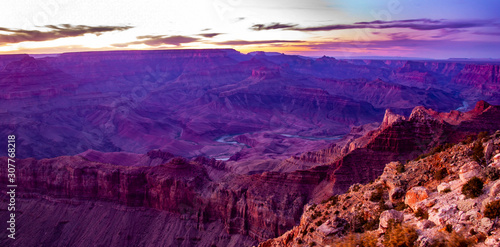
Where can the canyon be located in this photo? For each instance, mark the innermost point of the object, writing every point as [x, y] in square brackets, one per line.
[216, 147]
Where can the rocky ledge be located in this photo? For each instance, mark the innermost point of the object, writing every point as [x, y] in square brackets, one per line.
[448, 197]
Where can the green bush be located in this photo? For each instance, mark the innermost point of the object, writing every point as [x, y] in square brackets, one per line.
[469, 139]
[400, 206]
[492, 173]
[441, 173]
[381, 206]
[398, 235]
[449, 228]
[452, 240]
[477, 152]
[473, 188]
[448, 145]
[332, 200]
[319, 222]
[492, 209]
[400, 168]
[367, 239]
[372, 224]
[358, 223]
[422, 213]
[377, 195]
[482, 135]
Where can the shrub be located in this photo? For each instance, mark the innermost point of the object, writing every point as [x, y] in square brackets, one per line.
[398, 235]
[372, 224]
[312, 244]
[367, 239]
[482, 135]
[358, 223]
[441, 173]
[299, 241]
[332, 200]
[448, 145]
[437, 149]
[377, 194]
[400, 206]
[477, 152]
[319, 222]
[422, 213]
[492, 209]
[355, 187]
[448, 228]
[452, 240]
[400, 168]
[381, 206]
[468, 139]
[473, 188]
[312, 229]
[492, 173]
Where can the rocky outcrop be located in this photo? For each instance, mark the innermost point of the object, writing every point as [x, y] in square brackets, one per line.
[415, 195]
[444, 216]
[479, 75]
[259, 206]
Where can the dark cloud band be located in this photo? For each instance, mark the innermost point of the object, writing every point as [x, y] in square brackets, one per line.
[54, 32]
[258, 42]
[158, 40]
[415, 24]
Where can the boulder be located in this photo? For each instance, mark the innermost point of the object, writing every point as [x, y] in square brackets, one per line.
[466, 205]
[469, 170]
[496, 158]
[488, 150]
[388, 215]
[415, 195]
[486, 225]
[495, 189]
[446, 214]
[492, 241]
[334, 226]
[443, 186]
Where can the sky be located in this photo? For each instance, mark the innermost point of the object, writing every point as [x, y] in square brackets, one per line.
[437, 29]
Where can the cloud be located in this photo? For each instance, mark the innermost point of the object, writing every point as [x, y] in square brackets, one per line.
[272, 26]
[209, 35]
[488, 33]
[426, 24]
[415, 24]
[158, 40]
[54, 32]
[257, 42]
[410, 46]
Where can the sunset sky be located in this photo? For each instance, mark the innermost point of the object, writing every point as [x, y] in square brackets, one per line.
[407, 28]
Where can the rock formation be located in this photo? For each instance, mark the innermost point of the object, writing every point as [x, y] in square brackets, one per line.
[433, 210]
